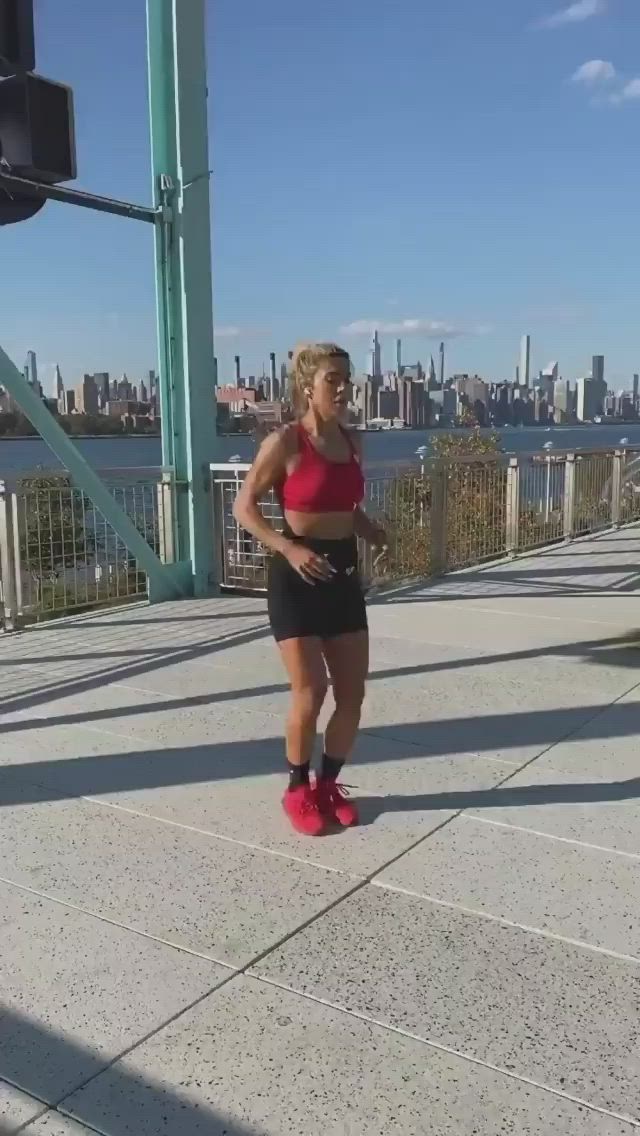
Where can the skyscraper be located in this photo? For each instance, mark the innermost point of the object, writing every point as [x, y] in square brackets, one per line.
[636, 384]
[525, 360]
[31, 369]
[441, 365]
[376, 357]
[590, 396]
[59, 384]
[87, 396]
[597, 368]
[102, 383]
[399, 358]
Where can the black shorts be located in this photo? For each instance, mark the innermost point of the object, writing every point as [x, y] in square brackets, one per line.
[298, 610]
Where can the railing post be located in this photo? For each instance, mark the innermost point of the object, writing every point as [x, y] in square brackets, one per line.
[165, 489]
[513, 507]
[616, 487]
[218, 534]
[7, 561]
[438, 519]
[569, 496]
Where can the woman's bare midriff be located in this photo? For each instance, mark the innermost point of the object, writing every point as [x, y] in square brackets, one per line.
[322, 526]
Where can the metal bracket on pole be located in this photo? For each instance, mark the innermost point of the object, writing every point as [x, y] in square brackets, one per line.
[166, 581]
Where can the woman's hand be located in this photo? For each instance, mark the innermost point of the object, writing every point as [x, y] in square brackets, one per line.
[310, 565]
[381, 548]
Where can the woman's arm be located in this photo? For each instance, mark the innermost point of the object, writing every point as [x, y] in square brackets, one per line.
[367, 529]
[268, 470]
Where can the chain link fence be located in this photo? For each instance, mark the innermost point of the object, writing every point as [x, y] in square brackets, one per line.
[58, 554]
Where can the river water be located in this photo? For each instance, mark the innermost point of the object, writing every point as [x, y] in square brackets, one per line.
[22, 455]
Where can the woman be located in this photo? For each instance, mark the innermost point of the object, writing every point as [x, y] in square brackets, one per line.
[316, 604]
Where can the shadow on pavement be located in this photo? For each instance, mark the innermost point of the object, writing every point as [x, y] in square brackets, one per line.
[133, 771]
[587, 793]
[619, 651]
[29, 1053]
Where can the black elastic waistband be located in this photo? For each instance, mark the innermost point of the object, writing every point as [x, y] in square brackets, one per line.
[319, 544]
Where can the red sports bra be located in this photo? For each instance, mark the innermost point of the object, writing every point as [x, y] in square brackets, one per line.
[318, 485]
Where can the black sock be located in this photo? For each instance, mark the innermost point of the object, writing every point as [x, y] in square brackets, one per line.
[330, 769]
[298, 774]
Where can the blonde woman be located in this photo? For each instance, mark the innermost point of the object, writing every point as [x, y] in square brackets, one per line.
[315, 598]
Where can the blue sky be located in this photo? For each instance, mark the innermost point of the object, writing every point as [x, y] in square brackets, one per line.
[469, 165]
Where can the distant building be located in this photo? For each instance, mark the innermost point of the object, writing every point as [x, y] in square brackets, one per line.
[59, 390]
[69, 402]
[87, 401]
[31, 370]
[590, 399]
[388, 404]
[101, 379]
[597, 369]
[413, 401]
[238, 399]
[564, 403]
[524, 372]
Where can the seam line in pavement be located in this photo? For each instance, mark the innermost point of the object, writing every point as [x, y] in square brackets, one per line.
[219, 836]
[449, 1050]
[54, 1111]
[505, 921]
[552, 836]
[93, 914]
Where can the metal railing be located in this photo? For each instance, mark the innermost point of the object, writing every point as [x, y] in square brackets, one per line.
[58, 555]
[454, 513]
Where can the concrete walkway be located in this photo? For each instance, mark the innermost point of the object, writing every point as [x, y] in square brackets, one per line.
[174, 961]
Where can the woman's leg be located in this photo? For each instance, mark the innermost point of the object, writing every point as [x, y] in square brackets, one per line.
[307, 673]
[347, 657]
[308, 677]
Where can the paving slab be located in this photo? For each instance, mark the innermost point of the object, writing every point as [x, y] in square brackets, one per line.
[16, 1108]
[200, 1075]
[536, 881]
[54, 1124]
[605, 748]
[569, 805]
[221, 899]
[77, 991]
[563, 1016]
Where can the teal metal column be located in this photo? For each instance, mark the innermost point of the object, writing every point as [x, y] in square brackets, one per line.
[180, 159]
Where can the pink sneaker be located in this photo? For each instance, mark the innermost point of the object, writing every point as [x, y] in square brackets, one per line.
[332, 802]
[301, 807]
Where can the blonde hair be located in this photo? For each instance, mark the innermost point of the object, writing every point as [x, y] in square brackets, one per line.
[307, 357]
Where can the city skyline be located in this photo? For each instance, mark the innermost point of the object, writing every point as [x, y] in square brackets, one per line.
[381, 357]
[485, 218]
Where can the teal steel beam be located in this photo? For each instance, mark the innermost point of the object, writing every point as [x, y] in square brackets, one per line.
[166, 581]
[180, 161]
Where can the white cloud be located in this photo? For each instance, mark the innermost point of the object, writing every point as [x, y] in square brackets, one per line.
[232, 331]
[575, 14]
[430, 329]
[593, 72]
[629, 93]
